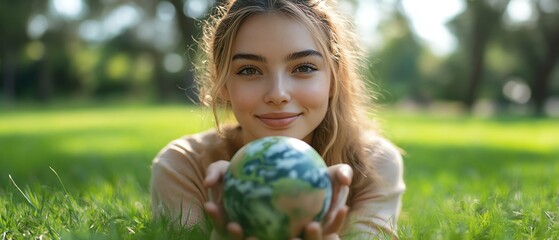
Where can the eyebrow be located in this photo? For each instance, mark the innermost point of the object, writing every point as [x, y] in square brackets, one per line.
[290, 57]
[302, 54]
[247, 56]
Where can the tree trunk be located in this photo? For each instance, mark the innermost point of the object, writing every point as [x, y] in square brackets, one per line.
[477, 61]
[159, 77]
[9, 78]
[187, 26]
[45, 84]
[543, 75]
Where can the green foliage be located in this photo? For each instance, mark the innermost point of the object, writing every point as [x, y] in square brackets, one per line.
[467, 178]
[84, 58]
[397, 63]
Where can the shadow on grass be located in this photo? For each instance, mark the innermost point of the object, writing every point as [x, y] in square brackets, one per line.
[81, 158]
[424, 160]
[476, 170]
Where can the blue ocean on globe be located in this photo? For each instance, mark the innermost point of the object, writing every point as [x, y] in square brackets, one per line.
[275, 186]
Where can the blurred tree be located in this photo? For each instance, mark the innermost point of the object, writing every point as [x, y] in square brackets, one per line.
[547, 26]
[143, 48]
[59, 76]
[189, 32]
[534, 46]
[396, 63]
[485, 20]
[13, 18]
[162, 83]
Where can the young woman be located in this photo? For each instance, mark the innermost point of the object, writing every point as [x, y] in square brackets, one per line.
[290, 68]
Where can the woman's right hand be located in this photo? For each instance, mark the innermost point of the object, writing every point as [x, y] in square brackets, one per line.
[214, 207]
[223, 229]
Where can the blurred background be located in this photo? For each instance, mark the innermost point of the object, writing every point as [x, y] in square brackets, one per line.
[474, 56]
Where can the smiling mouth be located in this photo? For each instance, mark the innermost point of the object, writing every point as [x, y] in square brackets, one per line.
[278, 120]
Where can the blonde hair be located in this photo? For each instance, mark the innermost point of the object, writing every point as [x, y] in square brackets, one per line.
[339, 137]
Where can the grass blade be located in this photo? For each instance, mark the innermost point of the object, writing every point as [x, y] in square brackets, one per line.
[60, 180]
[22, 193]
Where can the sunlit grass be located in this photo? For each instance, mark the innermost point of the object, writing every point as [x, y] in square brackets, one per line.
[499, 132]
[467, 177]
[93, 141]
[478, 178]
[102, 155]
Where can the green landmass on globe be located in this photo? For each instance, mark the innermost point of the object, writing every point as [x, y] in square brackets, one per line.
[275, 186]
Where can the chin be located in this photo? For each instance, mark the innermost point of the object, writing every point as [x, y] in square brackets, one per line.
[291, 133]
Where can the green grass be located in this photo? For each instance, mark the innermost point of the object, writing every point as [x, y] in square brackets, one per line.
[473, 178]
[467, 178]
[102, 155]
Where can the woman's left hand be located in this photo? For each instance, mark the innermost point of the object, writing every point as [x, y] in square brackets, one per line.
[341, 176]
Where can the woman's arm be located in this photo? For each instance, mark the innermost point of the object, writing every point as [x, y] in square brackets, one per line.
[176, 188]
[375, 207]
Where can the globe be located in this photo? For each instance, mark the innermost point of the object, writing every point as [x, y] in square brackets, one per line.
[275, 186]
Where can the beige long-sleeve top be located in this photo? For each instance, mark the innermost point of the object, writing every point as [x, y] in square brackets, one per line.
[179, 170]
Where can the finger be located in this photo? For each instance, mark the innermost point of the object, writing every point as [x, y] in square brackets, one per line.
[336, 223]
[341, 197]
[213, 180]
[313, 231]
[341, 174]
[215, 214]
[235, 231]
[215, 172]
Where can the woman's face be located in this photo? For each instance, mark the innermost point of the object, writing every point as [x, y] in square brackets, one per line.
[279, 82]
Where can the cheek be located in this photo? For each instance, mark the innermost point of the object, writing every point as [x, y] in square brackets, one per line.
[314, 97]
[315, 94]
[240, 96]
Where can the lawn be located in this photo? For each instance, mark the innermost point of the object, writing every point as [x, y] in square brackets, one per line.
[83, 172]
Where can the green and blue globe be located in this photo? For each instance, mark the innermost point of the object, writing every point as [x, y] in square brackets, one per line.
[275, 186]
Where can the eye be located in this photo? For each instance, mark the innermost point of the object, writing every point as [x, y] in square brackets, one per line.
[305, 68]
[248, 70]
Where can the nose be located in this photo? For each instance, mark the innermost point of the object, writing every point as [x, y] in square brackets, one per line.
[278, 91]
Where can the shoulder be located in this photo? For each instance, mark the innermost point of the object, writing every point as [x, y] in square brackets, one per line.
[200, 149]
[192, 144]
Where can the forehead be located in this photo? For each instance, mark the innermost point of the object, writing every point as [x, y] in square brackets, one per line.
[273, 33]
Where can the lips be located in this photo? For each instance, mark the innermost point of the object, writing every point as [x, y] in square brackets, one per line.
[279, 119]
